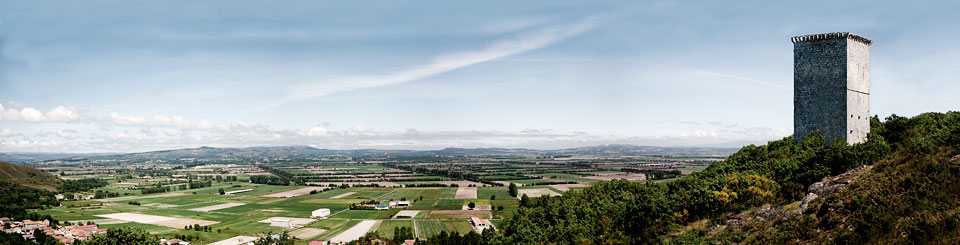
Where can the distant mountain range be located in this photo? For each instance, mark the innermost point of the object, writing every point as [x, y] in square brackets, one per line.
[295, 152]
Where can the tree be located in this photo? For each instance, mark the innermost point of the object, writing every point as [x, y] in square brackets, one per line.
[493, 197]
[471, 205]
[524, 200]
[123, 235]
[402, 233]
[221, 191]
[269, 239]
[512, 189]
[40, 236]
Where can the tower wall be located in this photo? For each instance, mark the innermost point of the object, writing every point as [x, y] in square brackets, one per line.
[831, 86]
[858, 91]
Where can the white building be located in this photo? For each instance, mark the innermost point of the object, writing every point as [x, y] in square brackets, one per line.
[320, 213]
[400, 203]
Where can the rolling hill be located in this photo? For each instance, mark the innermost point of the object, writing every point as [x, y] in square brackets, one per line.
[29, 177]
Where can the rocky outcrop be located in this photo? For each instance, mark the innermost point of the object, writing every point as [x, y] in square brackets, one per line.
[768, 212]
[829, 185]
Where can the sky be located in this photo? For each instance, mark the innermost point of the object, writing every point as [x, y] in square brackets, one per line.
[129, 76]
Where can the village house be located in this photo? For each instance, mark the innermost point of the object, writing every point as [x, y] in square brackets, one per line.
[64, 234]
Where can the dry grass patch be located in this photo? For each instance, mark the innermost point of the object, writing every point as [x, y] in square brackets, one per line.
[537, 192]
[217, 207]
[466, 193]
[157, 220]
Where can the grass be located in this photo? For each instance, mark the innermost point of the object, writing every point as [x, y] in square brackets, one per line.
[386, 227]
[145, 227]
[486, 192]
[401, 194]
[423, 205]
[360, 214]
[447, 193]
[428, 228]
[448, 205]
[389, 213]
[335, 229]
[461, 226]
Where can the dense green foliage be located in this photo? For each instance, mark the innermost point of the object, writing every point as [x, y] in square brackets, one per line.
[908, 197]
[269, 180]
[123, 235]
[619, 212]
[282, 239]
[14, 239]
[82, 185]
[16, 199]
[101, 194]
[402, 233]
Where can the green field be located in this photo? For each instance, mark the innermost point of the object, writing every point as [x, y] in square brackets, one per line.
[244, 219]
[386, 227]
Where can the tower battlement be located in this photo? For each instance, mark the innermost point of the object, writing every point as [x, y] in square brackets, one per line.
[831, 77]
[832, 35]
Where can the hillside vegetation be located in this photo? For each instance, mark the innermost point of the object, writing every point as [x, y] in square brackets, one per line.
[29, 177]
[910, 194]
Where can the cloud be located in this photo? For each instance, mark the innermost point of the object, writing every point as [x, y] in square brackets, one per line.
[62, 113]
[30, 114]
[6, 132]
[131, 133]
[67, 133]
[316, 132]
[530, 131]
[534, 39]
[360, 129]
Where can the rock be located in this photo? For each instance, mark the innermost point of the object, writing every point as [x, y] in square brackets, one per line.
[829, 185]
[714, 228]
[955, 158]
[768, 212]
[806, 201]
[734, 221]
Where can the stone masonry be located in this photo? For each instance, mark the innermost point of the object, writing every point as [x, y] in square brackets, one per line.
[831, 79]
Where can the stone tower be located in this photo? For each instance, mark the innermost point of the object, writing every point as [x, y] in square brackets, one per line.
[831, 86]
